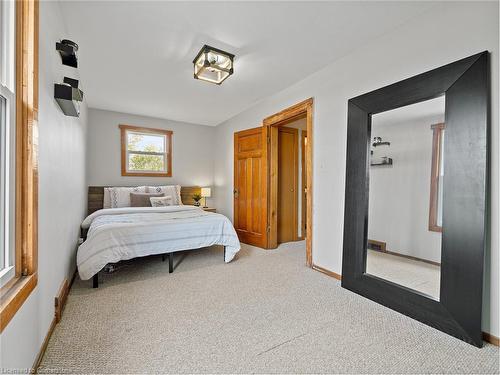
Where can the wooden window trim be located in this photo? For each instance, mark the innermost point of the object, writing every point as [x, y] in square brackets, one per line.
[437, 133]
[123, 135]
[15, 292]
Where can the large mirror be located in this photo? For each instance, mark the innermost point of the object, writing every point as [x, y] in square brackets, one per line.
[405, 196]
[416, 193]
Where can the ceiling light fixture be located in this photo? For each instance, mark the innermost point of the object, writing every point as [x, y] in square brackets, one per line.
[213, 65]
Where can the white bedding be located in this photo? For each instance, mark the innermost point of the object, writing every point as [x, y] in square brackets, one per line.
[124, 233]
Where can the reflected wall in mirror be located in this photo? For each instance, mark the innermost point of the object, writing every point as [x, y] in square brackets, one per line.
[405, 195]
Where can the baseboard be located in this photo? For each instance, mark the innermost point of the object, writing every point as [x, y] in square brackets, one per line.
[62, 295]
[327, 272]
[488, 337]
[411, 257]
[73, 279]
[39, 357]
[60, 300]
[60, 303]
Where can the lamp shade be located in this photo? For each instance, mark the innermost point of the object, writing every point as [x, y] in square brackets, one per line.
[206, 192]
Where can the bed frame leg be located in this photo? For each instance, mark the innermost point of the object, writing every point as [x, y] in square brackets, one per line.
[163, 257]
[170, 262]
[224, 254]
[95, 281]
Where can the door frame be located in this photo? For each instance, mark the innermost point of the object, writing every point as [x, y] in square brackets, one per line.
[303, 177]
[304, 108]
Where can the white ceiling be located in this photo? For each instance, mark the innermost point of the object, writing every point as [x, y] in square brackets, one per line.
[136, 57]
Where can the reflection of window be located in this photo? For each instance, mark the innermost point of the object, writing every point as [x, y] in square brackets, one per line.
[146, 152]
[436, 198]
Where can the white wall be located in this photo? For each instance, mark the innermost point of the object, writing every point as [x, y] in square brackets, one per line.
[62, 199]
[192, 151]
[447, 33]
[399, 195]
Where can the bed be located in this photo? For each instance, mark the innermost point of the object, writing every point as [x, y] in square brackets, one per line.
[115, 234]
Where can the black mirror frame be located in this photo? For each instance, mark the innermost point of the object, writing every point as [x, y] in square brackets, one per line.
[466, 86]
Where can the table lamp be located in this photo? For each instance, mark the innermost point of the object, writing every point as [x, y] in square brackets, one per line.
[206, 192]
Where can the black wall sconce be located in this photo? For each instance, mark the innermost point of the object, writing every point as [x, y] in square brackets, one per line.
[67, 49]
[68, 96]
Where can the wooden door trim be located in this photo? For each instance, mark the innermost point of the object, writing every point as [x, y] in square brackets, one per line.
[303, 177]
[304, 108]
[272, 196]
[295, 218]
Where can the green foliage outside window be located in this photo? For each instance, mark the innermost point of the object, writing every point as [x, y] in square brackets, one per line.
[140, 162]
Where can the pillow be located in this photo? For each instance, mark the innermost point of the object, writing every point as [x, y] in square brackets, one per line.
[142, 199]
[107, 198]
[161, 201]
[173, 190]
[120, 196]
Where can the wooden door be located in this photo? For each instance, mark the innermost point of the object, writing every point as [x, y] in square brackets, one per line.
[288, 170]
[250, 186]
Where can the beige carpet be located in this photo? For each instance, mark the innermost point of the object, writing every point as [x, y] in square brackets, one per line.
[411, 273]
[263, 313]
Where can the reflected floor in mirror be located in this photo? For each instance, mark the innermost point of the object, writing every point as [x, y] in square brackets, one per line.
[417, 275]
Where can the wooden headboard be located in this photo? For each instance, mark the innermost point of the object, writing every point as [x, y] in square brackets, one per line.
[96, 196]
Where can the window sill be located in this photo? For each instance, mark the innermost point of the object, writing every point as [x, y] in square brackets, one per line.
[435, 228]
[148, 174]
[13, 296]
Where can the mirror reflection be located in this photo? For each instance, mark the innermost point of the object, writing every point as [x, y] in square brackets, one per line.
[405, 196]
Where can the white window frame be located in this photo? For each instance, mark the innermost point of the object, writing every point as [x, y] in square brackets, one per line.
[162, 154]
[7, 149]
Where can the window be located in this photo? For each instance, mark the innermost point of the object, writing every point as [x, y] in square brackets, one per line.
[436, 198]
[7, 142]
[18, 144]
[146, 151]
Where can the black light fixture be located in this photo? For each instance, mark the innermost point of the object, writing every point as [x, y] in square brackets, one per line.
[213, 65]
[67, 49]
[69, 96]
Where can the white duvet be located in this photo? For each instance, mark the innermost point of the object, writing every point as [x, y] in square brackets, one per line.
[124, 233]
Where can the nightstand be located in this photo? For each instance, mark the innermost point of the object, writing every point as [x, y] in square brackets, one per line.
[209, 209]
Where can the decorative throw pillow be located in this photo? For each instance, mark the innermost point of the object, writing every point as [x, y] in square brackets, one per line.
[161, 201]
[142, 199]
[120, 196]
[173, 190]
[107, 198]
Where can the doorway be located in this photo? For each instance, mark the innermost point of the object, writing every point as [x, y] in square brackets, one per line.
[289, 188]
[256, 179]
